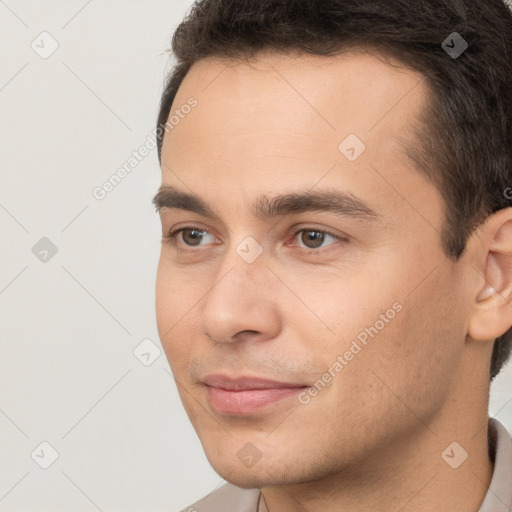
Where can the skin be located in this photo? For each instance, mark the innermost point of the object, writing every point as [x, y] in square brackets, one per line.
[373, 438]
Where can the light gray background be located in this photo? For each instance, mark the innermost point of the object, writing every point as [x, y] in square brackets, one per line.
[69, 326]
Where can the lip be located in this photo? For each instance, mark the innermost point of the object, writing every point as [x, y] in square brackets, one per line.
[245, 383]
[246, 395]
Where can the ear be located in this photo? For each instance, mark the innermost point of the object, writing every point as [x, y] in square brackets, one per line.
[492, 306]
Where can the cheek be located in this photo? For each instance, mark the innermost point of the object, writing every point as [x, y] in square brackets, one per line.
[408, 341]
[418, 354]
[346, 307]
[175, 296]
[163, 301]
[172, 307]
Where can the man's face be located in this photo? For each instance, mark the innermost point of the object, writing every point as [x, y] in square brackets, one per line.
[366, 303]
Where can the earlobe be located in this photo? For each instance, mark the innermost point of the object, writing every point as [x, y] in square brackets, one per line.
[492, 307]
[492, 316]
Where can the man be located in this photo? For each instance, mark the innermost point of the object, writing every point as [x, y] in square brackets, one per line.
[334, 293]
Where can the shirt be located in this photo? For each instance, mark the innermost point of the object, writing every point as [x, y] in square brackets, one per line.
[230, 498]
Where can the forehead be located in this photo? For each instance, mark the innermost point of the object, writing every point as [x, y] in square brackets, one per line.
[294, 102]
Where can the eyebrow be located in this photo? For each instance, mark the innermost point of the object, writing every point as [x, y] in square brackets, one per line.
[341, 203]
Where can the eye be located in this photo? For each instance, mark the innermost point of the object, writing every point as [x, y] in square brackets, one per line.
[191, 236]
[311, 239]
[314, 238]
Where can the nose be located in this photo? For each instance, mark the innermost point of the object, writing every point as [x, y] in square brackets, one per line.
[242, 303]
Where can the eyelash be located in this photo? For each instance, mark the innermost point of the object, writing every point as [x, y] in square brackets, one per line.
[171, 238]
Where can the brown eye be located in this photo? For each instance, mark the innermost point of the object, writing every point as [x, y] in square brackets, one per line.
[315, 238]
[312, 239]
[194, 236]
[190, 236]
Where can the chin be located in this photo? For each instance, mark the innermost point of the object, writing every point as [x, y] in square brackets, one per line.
[264, 473]
[246, 478]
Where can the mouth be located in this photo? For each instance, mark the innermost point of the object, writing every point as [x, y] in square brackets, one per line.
[247, 395]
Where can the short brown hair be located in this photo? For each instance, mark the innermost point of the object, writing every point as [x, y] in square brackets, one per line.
[463, 140]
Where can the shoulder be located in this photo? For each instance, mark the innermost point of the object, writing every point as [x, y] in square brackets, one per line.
[228, 497]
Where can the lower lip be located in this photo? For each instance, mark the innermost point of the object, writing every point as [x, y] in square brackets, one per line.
[248, 401]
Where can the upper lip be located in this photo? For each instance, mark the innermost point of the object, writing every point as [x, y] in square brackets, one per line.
[239, 383]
